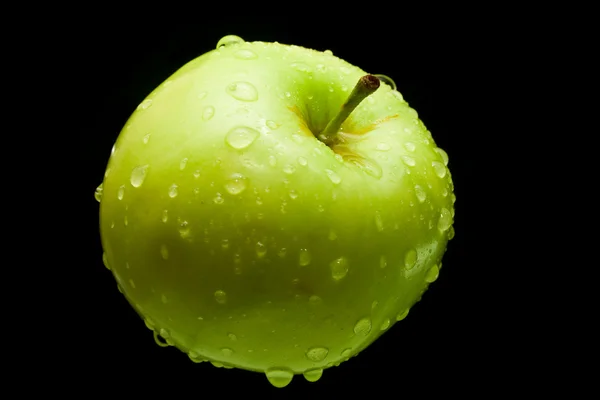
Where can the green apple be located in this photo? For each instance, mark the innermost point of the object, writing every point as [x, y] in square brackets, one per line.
[275, 209]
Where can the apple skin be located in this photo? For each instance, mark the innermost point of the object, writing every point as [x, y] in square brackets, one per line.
[243, 240]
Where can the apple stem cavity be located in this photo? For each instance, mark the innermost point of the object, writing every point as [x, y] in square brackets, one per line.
[365, 86]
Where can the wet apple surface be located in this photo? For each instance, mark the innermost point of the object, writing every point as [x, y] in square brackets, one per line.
[249, 230]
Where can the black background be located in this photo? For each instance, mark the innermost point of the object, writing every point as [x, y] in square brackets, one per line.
[453, 338]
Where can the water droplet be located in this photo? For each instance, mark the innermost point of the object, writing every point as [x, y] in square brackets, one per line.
[184, 229]
[132, 283]
[201, 95]
[385, 324]
[165, 216]
[378, 221]
[317, 354]
[236, 184]
[332, 235]
[383, 146]
[218, 199]
[173, 190]
[410, 259]
[146, 138]
[345, 70]
[241, 137]
[408, 161]
[445, 220]
[432, 274]
[313, 375]
[105, 261]
[387, 80]
[304, 258]
[98, 193]
[282, 252]
[245, 54]
[420, 192]
[346, 353]
[314, 300]
[439, 168]
[382, 262]
[145, 104]
[272, 161]
[363, 327]
[243, 91]
[451, 233]
[261, 249]
[229, 40]
[328, 52]
[197, 173]
[164, 252]
[195, 357]
[293, 194]
[302, 161]
[289, 169]
[121, 192]
[442, 154]
[279, 377]
[208, 113]
[272, 125]
[221, 297]
[410, 146]
[232, 336]
[339, 268]
[298, 66]
[401, 315]
[138, 174]
[226, 351]
[333, 177]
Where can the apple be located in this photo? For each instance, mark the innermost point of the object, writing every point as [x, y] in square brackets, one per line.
[275, 209]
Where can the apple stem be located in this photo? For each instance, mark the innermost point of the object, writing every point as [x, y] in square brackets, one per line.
[365, 86]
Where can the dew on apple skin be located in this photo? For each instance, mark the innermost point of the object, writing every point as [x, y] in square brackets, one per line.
[229, 40]
[221, 296]
[317, 354]
[314, 300]
[410, 259]
[218, 199]
[363, 327]
[385, 324]
[410, 146]
[409, 161]
[184, 229]
[144, 105]
[105, 261]
[289, 169]
[197, 173]
[293, 194]
[378, 221]
[420, 193]
[451, 233]
[164, 252]
[236, 184]
[439, 168]
[99, 192]
[195, 357]
[125, 220]
[173, 190]
[387, 80]
[138, 174]
[207, 113]
[298, 66]
[302, 161]
[146, 138]
[243, 91]
[158, 340]
[226, 351]
[261, 249]
[432, 274]
[165, 216]
[304, 258]
[245, 54]
[313, 375]
[232, 336]
[121, 192]
[272, 125]
[339, 268]
[445, 220]
[382, 262]
[383, 146]
[241, 137]
[333, 176]
[201, 95]
[442, 154]
[332, 235]
[279, 377]
[401, 315]
[346, 353]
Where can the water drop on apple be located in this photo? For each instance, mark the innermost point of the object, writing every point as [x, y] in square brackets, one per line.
[229, 40]
[243, 91]
[138, 174]
[313, 375]
[98, 193]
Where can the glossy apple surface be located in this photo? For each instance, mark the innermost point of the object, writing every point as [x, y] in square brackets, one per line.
[244, 240]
